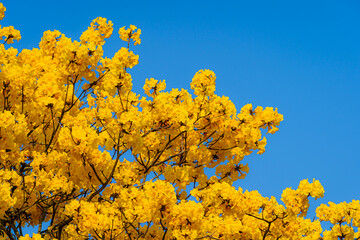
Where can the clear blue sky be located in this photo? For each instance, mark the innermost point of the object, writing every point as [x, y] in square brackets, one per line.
[302, 57]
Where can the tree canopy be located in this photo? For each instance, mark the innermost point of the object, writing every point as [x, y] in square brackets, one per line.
[85, 157]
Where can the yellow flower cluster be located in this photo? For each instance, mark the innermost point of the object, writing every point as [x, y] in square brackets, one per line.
[344, 216]
[99, 30]
[68, 119]
[2, 11]
[203, 83]
[152, 87]
[34, 237]
[131, 33]
[8, 34]
[297, 201]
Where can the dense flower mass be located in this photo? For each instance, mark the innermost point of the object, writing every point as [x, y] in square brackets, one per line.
[82, 156]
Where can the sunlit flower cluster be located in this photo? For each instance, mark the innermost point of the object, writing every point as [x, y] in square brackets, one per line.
[131, 33]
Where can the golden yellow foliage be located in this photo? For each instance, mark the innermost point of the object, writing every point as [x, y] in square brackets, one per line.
[68, 116]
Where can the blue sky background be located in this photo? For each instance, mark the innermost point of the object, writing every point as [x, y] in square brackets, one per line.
[302, 57]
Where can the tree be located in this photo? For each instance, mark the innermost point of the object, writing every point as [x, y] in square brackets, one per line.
[69, 119]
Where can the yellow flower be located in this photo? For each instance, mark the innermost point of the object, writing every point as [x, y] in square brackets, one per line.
[152, 87]
[203, 83]
[9, 34]
[130, 34]
[2, 11]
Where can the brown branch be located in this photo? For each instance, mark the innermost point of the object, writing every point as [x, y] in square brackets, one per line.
[206, 138]
[109, 178]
